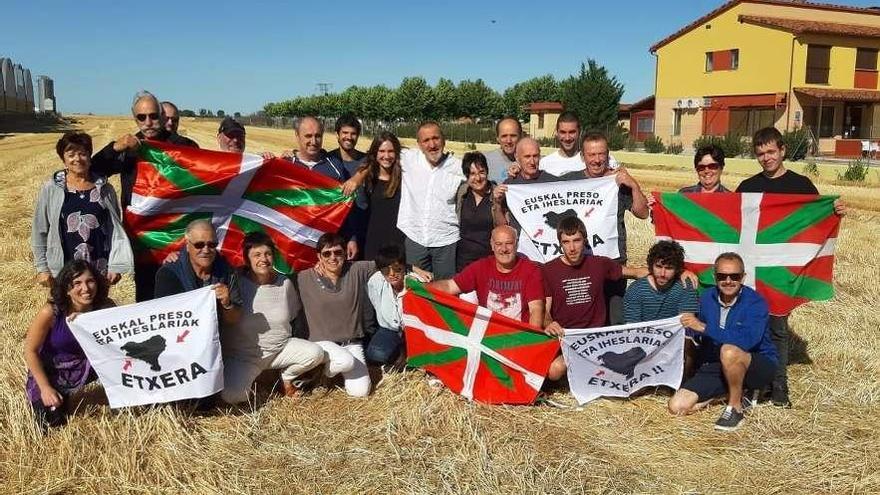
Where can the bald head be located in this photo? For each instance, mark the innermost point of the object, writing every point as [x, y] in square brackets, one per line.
[528, 155]
[200, 224]
[310, 138]
[503, 246]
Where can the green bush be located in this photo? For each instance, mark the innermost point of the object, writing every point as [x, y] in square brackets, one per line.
[547, 142]
[856, 171]
[617, 138]
[654, 144]
[675, 149]
[630, 144]
[733, 145]
[797, 144]
[811, 169]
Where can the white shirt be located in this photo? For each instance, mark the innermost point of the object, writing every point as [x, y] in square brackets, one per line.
[389, 313]
[427, 199]
[558, 164]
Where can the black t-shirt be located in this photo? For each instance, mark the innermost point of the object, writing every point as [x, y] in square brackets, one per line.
[788, 183]
[475, 228]
[168, 283]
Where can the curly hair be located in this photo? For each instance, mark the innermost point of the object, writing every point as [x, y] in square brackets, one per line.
[64, 282]
[668, 253]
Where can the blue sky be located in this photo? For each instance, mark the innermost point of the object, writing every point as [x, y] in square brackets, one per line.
[237, 56]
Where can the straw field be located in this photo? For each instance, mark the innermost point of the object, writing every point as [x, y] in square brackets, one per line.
[409, 437]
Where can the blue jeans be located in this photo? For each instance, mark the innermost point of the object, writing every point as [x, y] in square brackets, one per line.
[385, 346]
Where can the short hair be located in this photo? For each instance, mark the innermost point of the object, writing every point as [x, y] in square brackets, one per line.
[255, 239]
[389, 255]
[593, 136]
[729, 256]
[509, 117]
[64, 282]
[297, 123]
[170, 104]
[473, 158]
[568, 116]
[506, 228]
[527, 140]
[768, 135]
[668, 253]
[144, 94]
[197, 224]
[330, 239]
[570, 226]
[347, 120]
[715, 152]
[429, 123]
[75, 139]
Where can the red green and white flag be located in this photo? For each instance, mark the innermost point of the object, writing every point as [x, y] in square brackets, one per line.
[481, 355]
[239, 193]
[786, 240]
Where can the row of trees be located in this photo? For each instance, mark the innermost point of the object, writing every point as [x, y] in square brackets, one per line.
[592, 93]
[204, 112]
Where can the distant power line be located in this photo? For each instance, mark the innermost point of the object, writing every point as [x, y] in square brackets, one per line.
[324, 88]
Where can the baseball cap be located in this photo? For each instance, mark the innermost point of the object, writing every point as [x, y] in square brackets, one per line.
[230, 125]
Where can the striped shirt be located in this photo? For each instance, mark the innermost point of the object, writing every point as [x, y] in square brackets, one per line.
[644, 303]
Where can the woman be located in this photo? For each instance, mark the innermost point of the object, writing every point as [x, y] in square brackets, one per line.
[709, 163]
[333, 295]
[57, 365]
[473, 206]
[382, 185]
[77, 218]
[261, 339]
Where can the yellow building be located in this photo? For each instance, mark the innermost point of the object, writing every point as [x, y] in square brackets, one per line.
[753, 63]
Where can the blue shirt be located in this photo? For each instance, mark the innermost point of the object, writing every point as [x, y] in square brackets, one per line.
[746, 327]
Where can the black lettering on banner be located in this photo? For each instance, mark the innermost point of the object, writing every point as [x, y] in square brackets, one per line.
[181, 375]
[197, 370]
[153, 382]
[126, 380]
[597, 240]
[167, 380]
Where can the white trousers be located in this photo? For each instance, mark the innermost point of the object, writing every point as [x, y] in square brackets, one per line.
[348, 360]
[295, 358]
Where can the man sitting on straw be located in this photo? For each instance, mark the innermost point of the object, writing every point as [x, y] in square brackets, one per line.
[735, 349]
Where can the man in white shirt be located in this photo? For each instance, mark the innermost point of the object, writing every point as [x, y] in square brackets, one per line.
[508, 132]
[427, 216]
[568, 158]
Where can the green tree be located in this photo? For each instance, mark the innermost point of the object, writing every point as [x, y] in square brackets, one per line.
[413, 99]
[187, 113]
[476, 100]
[221, 113]
[516, 97]
[593, 95]
[445, 99]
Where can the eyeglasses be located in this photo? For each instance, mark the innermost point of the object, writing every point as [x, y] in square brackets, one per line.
[198, 246]
[721, 277]
[711, 166]
[392, 269]
[143, 116]
[332, 252]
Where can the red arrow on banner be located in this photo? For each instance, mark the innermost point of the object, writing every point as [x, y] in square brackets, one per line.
[600, 372]
[182, 336]
[127, 365]
[538, 233]
[588, 212]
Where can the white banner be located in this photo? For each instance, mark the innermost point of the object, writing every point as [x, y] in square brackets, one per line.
[620, 360]
[156, 351]
[539, 207]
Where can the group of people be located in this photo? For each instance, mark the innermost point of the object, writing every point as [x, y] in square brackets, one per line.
[420, 212]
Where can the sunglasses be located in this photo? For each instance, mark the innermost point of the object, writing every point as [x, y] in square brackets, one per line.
[711, 166]
[143, 116]
[393, 269]
[332, 252]
[202, 244]
[721, 277]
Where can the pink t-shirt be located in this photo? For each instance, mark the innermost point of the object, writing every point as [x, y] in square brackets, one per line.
[505, 293]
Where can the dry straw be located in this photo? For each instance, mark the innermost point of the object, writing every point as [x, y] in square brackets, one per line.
[412, 438]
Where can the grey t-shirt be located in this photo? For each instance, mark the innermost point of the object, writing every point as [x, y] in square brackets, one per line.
[498, 164]
[264, 327]
[333, 312]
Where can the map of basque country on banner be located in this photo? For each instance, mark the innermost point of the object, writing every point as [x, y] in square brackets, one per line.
[618, 361]
[156, 351]
[539, 208]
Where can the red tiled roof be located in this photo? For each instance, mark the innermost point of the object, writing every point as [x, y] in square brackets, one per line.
[624, 107]
[841, 94]
[646, 103]
[544, 106]
[797, 26]
[733, 3]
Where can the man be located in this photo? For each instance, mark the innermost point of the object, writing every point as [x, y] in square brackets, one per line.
[573, 284]
[348, 130]
[310, 154]
[120, 157]
[504, 282]
[660, 295]
[199, 265]
[567, 159]
[736, 351]
[508, 132]
[594, 152]
[427, 216]
[172, 116]
[528, 154]
[231, 136]
[775, 178]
